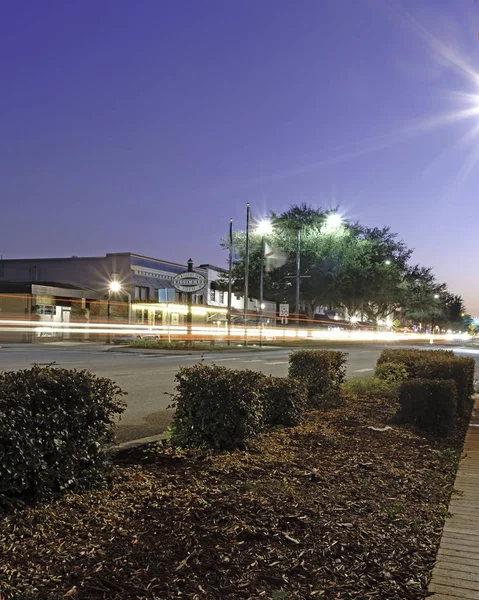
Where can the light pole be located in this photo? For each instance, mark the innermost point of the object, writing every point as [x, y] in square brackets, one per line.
[264, 228]
[115, 287]
[298, 275]
[230, 278]
[189, 316]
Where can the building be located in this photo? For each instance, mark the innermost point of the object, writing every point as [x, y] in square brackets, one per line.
[46, 303]
[143, 290]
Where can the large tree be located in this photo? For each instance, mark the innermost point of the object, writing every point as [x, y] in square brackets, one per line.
[365, 270]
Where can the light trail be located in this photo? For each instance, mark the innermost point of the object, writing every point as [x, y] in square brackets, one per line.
[212, 332]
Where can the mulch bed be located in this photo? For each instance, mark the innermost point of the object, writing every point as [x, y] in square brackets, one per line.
[328, 510]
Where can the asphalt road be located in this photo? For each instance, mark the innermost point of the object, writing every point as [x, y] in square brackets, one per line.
[149, 378]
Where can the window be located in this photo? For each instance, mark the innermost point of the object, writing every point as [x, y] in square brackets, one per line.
[212, 295]
[142, 293]
[222, 297]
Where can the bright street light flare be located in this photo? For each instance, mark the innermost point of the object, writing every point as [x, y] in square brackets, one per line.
[115, 286]
[264, 227]
[333, 222]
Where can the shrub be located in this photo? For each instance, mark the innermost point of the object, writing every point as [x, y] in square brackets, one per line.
[460, 370]
[216, 407]
[154, 343]
[371, 388]
[285, 401]
[322, 371]
[437, 364]
[391, 372]
[429, 404]
[55, 427]
[411, 360]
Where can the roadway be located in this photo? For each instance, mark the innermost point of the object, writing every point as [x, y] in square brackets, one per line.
[148, 378]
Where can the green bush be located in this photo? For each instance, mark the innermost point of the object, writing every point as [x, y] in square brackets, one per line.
[55, 427]
[159, 344]
[460, 370]
[429, 404]
[371, 388]
[216, 407]
[391, 372]
[411, 360]
[285, 401]
[322, 371]
[436, 364]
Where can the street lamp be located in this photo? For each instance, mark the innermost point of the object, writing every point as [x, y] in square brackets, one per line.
[114, 287]
[264, 228]
[387, 262]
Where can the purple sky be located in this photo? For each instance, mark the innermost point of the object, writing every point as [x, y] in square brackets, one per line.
[144, 126]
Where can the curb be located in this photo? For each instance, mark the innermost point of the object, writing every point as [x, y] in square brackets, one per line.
[139, 442]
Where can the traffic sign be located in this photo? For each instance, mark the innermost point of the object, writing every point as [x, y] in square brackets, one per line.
[189, 282]
[284, 310]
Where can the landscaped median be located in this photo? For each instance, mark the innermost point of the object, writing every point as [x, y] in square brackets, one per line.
[334, 490]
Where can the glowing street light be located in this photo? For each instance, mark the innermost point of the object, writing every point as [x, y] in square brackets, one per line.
[387, 262]
[333, 223]
[436, 296]
[264, 227]
[115, 286]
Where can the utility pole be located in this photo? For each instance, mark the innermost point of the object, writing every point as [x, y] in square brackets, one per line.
[246, 275]
[189, 316]
[261, 287]
[230, 270]
[298, 274]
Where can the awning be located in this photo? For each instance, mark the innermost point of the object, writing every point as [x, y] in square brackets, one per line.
[157, 284]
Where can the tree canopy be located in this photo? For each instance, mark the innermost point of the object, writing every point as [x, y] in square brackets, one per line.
[364, 271]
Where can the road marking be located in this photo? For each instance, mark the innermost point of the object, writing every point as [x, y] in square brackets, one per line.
[177, 356]
[362, 370]
[250, 361]
[221, 359]
[278, 362]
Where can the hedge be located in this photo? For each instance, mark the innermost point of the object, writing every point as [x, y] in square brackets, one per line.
[411, 359]
[436, 364]
[217, 407]
[391, 372]
[429, 404]
[285, 401]
[55, 427]
[322, 371]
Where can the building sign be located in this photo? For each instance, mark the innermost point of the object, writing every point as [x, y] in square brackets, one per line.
[189, 282]
[175, 318]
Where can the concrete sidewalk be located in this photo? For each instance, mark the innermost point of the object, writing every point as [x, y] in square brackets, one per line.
[456, 573]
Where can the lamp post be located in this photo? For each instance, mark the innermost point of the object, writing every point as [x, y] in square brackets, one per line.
[230, 278]
[189, 316]
[264, 228]
[115, 287]
[298, 275]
